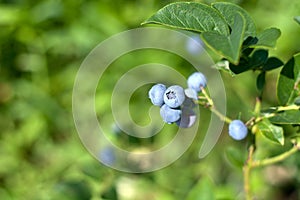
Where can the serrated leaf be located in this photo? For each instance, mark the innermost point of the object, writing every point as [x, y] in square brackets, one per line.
[228, 46]
[270, 131]
[297, 19]
[191, 16]
[229, 10]
[202, 190]
[272, 63]
[261, 80]
[288, 80]
[286, 117]
[267, 38]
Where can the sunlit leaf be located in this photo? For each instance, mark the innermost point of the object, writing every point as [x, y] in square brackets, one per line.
[228, 46]
[289, 78]
[190, 16]
[268, 38]
[270, 131]
[287, 117]
[229, 10]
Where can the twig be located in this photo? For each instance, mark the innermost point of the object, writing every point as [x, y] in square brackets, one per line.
[277, 158]
[212, 107]
[246, 172]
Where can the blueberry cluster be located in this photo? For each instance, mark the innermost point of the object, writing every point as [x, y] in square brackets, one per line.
[176, 105]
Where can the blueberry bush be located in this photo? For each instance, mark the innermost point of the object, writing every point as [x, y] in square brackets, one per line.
[230, 32]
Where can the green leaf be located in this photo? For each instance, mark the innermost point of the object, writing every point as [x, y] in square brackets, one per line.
[268, 38]
[244, 65]
[259, 58]
[191, 16]
[270, 131]
[229, 10]
[297, 19]
[261, 80]
[272, 63]
[297, 101]
[286, 117]
[288, 81]
[249, 41]
[228, 46]
[202, 190]
[235, 156]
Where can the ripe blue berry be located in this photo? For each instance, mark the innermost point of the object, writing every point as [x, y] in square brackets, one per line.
[156, 94]
[237, 130]
[188, 118]
[169, 115]
[174, 96]
[191, 93]
[196, 81]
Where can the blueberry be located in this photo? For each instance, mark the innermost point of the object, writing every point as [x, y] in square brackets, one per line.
[107, 156]
[189, 103]
[237, 130]
[174, 96]
[194, 45]
[191, 93]
[169, 115]
[196, 81]
[188, 117]
[156, 94]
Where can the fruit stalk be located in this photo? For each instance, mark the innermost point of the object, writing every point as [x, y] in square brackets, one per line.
[212, 107]
[275, 159]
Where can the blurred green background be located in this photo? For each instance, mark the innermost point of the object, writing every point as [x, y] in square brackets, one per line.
[43, 43]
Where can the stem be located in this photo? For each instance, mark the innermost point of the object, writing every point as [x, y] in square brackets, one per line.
[210, 101]
[275, 159]
[278, 109]
[246, 172]
[212, 107]
[257, 106]
[249, 164]
[291, 107]
[220, 115]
